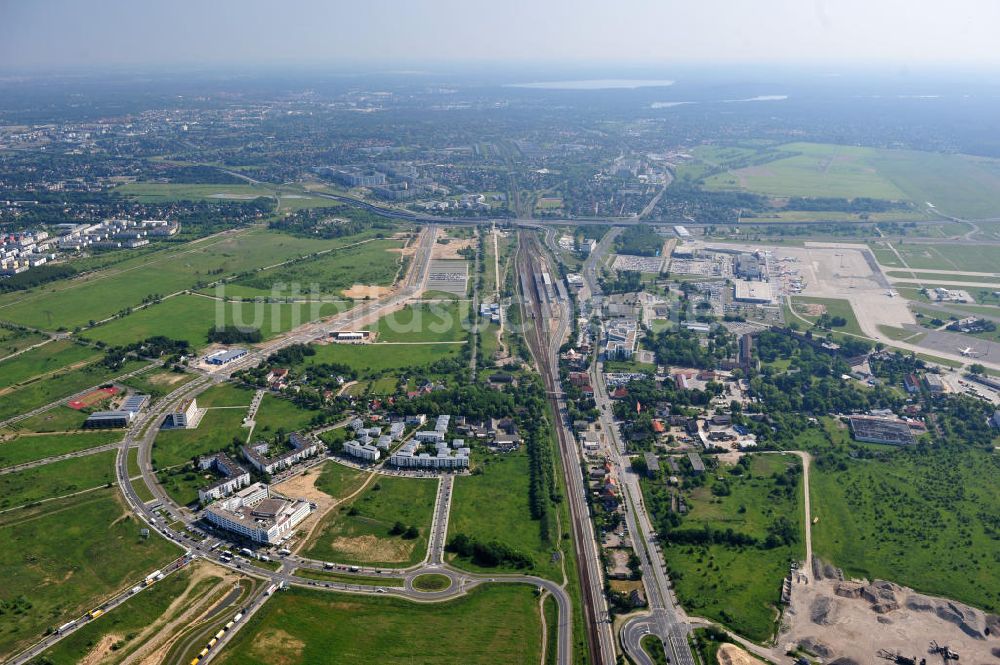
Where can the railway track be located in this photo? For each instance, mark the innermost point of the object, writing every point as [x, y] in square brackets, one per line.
[535, 299]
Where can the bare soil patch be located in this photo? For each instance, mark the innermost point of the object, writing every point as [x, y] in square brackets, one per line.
[278, 647]
[373, 548]
[362, 291]
[452, 248]
[855, 619]
[730, 654]
[101, 650]
[811, 308]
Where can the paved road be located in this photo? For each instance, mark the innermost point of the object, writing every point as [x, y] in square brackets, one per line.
[664, 618]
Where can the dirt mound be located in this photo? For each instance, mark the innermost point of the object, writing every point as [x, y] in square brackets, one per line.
[812, 645]
[823, 611]
[730, 654]
[972, 622]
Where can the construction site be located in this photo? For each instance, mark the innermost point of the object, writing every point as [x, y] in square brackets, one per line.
[857, 622]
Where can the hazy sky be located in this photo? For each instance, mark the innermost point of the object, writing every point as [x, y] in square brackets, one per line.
[68, 34]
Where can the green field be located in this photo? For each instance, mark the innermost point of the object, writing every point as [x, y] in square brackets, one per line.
[425, 322]
[76, 302]
[372, 358]
[155, 192]
[156, 384]
[215, 432]
[54, 387]
[338, 480]
[431, 582]
[972, 258]
[738, 586]
[57, 479]
[937, 277]
[190, 318]
[835, 307]
[959, 185]
[44, 359]
[59, 562]
[363, 537]
[492, 625]
[278, 413]
[371, 263]
[134, 622]
[57, 419]
[901, 518]
[28, 447]
[13, 340]
[494, 505]
[225, 394]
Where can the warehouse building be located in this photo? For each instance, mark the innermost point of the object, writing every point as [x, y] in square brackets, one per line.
[257, 515]
[109, 419]
[224, 356]
[881, 430]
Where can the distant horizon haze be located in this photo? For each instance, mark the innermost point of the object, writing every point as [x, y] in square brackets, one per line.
[66, 35]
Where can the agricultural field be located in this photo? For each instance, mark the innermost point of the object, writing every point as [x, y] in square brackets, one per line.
[494, 505]
[191, 317]
[56, 479]
[959, 185]
[317, 628]
[901, 515]
[369, 359]
[23, 448]
[738, 586]
[79, 301]
[56, 386]
[373, 263]
[44, 360]
[62, 558]
[425, 322]
[359, 532]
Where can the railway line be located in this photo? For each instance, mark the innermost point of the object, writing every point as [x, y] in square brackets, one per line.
[536, 299]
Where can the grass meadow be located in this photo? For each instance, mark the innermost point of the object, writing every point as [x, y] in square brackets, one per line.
[494, 624]
[358, 532]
